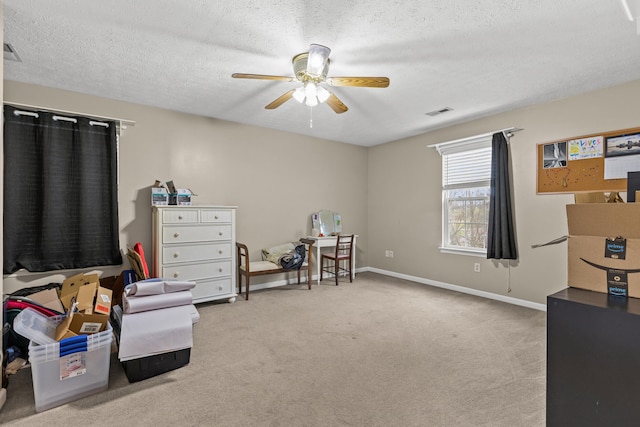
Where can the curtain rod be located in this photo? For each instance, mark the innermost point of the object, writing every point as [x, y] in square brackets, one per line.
[55, 110]
[469, 138]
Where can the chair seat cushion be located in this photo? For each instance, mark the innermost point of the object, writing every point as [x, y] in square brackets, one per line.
[257, 266]
[262, 266]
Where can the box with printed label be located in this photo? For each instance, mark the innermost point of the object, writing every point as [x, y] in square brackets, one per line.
[604, 247]
[159, 196]
[182, 197]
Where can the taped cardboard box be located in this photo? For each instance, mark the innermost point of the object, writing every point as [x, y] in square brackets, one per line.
[93, 303]
[604, 247]
[81, 324]
[70, 287]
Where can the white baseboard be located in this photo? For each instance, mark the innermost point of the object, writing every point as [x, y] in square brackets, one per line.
[510, 300]
[462, 289]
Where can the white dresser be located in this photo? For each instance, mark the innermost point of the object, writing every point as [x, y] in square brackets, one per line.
[197, 243]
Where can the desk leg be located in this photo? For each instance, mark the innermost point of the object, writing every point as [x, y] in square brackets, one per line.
[318, 266]
[353, 259]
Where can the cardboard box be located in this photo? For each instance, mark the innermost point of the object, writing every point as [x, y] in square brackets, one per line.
[159, 196]
[70, 287]
[85, 296]
[182, 197]
[81, 324]
[604, 247]
[103, 301]
[48, 298]
[116, 285]
[93, 305]
[594, 197]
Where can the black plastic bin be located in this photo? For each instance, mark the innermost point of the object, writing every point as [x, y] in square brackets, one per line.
[150, 366]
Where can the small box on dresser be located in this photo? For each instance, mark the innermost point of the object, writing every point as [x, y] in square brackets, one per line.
[196, 243]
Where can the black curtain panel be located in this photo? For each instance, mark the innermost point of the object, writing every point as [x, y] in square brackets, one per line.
[60, 192]
[501, 241]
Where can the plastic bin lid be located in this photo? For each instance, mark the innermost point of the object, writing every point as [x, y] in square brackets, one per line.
[35, 326]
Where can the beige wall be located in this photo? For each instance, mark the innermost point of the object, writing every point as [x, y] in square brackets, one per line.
[389, 194]
[276, 179]
[405, 197]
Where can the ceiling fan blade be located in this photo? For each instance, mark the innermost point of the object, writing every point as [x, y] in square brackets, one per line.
[261, 77]
[280, 100]
[359, 81]
[335, 104]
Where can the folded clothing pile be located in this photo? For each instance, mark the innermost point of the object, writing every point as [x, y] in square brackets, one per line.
[155, 323]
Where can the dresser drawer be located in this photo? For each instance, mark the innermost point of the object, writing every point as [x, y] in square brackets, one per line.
[175, 254]
[212, 288]
[197, 233]
[179, 216]
[214, 215]
[205, 270]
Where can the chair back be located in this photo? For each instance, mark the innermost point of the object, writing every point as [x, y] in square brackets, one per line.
[344, 246]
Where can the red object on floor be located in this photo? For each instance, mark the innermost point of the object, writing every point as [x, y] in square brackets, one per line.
[138, 248]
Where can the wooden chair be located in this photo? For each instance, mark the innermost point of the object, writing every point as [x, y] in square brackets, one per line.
[343, 252]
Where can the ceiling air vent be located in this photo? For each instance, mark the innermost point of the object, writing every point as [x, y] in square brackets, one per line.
[438, 112]
[10, 53]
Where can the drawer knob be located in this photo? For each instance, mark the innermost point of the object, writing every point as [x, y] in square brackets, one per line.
[175, 275]
[176, 235]
[220, 251]
[180, 217]
[216, 217]
[176, 255]
[220, 270]
[220, 233]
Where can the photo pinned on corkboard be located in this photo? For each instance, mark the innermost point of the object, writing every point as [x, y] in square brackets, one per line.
[555, 155]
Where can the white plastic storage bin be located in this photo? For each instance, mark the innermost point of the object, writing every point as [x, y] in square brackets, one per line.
[59, 379]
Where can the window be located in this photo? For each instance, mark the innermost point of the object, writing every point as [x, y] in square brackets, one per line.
[466, 180]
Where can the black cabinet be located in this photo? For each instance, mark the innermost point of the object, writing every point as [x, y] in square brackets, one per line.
[593, 359]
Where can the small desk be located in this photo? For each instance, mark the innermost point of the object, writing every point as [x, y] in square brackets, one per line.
[330, 242]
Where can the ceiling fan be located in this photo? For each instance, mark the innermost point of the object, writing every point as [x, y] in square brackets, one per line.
[311, 69]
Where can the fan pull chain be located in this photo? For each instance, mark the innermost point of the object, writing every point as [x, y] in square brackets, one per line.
[310, 117]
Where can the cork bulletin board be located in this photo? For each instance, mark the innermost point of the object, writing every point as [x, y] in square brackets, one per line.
[577, 164]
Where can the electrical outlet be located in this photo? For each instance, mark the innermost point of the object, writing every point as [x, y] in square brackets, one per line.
[476, 267]
[388, 253]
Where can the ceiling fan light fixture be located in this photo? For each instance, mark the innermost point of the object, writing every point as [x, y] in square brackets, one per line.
[317, 60]
[299, 95]
[311, 69]
[310, 92]
[322, 94]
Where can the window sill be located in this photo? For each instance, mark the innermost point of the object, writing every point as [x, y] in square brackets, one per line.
[481, 253]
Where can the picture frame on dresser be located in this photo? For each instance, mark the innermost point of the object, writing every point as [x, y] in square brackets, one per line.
[196, 243]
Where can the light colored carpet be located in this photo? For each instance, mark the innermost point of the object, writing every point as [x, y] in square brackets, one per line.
[376, 352]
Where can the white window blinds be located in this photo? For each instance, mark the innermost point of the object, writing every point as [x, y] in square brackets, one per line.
[466, 169]
[466, 162]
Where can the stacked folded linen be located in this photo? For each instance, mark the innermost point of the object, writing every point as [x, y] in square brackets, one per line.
[157, 317]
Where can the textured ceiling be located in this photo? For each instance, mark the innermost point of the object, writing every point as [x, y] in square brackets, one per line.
[478, 57]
